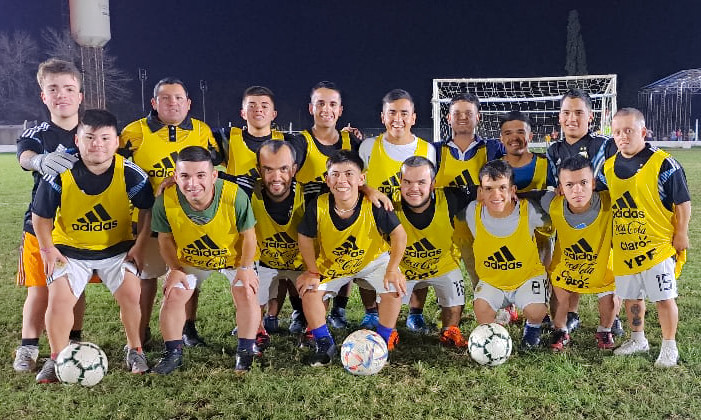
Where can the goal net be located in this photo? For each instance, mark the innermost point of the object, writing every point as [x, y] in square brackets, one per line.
[539, 97]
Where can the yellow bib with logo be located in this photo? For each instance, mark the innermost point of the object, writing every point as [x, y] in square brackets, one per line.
[344, 253]
[642, 227]
[241, 159]
[213, 245]
[582, 259]
[383, 171]
[458, 173]
[430, 252]
[277, 244]
[314, 165]
[106, 222]
[506, 262]
[540, 175]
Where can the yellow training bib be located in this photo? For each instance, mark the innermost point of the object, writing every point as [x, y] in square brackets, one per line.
[459, 173]
[314, 165]
[383, 171]
[242, 160]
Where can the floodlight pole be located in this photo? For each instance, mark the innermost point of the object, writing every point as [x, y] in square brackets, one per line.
[203, 88]
[142, 77]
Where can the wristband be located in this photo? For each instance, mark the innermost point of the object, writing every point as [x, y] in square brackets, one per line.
[314, 272]
[246, 267]
[44, 249]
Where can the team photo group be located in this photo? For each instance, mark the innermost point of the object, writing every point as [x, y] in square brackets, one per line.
[306, 216]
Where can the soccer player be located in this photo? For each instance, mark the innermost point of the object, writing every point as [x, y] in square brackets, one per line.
[506, 255]
[350, 233]
[581, 261]
[205, 225]
[575, 119]
[41, 150]
[76, 243]
[153, 144]
[431, 256]
[651, 212]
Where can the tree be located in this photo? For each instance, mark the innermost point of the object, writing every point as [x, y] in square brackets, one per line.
[576, 63]
[19, 93]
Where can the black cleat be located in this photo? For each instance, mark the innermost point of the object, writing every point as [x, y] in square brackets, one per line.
[324, 353]
[244, 361]
[170, 361]
[572, 321]
[192, 339]
[337, 318]
[298, 323]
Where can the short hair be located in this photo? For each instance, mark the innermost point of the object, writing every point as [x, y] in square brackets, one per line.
[575, 163]
[417, 162]
[58, 66]
[496, 169]
[325, 85]
[515, 115]
[577, 94]
[465, 97]
[169, 81]
[345, 156]
[98, 118]
[395, 95]
[275, 146]
[625, 112]
[194, 154]
[258, 91]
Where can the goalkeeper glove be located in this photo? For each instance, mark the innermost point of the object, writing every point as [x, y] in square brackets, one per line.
[53, 163]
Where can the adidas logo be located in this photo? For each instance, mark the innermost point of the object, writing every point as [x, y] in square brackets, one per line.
[422, 249]
[253, 173]
[625, 207]
[388, 186]
[463, 180]
[164, 168]
[280, 240]
[349, 249]
[580, 250]
[96, 220]
[503, 259]
[204, 247]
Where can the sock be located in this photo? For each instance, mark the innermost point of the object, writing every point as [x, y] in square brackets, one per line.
[638, 336]
[296, 303]
[562, 329]
[75, 335]
[340, 302]
[54, 356]
[371, 311]
[246, 344]
[189, 326]
[672, 344]
[321, 332]
[384, 332]
[602, 329]
[415, 311]
[174, 345]
[30, 342]
[138, 349]
[533, 325]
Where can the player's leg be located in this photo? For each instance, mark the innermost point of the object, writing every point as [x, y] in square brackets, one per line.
[560, 336]
[248, 319]
[607, 308]
[661, 287]
[415, 321]
[632, 290]
[268, 283]
[487, 301]
[315, 312]
[191, 337]
[153, 267]
[78, 317]
[532, 298]
[389, 304]
[298, 322]
[337, 315]
[369, 299]
[450, 292]
[274, 303]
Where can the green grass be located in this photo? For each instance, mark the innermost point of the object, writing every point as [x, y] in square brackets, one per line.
[421, 381]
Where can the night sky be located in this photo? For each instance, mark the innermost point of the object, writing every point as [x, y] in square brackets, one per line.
[370, 47]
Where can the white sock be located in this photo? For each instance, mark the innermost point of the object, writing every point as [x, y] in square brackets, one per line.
[602, 329]
[638, 336]
[672, 344]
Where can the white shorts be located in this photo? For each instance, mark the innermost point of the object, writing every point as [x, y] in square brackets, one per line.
[449, 288]
[534, 290]
[268, 280]
[370, 277]
[656, 283]
[153, 266]
[110, 270]
[195, 276]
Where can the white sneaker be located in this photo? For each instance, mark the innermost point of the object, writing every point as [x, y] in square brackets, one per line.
[631, 347]
[26, 358]
[668, 357]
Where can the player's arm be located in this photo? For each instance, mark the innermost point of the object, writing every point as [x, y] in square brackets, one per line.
[46, 202]
[245, 272]
[376, 197]
[306, 232]
[53, 163]
[169, 252]
[394, 275]
[682, 215]
[141, 196]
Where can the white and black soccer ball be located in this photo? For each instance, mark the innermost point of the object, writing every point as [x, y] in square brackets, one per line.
[81, 363]
[490, 344]
[364, 352]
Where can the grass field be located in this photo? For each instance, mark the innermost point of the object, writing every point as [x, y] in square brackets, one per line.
[422, 380]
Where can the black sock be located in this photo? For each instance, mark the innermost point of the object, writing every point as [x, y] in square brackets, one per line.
[296, 303]
[340, 302]
[75, 335]
[189, 326]
[415, 311]
[174, 345]
[371, 310]
[30, 342]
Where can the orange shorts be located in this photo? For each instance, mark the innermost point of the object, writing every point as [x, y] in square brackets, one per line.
[30, 268]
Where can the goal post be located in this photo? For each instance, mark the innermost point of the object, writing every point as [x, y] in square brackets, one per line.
[538, 97]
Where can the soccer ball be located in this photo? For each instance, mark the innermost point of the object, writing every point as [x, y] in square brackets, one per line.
[364, 352]
[489, 344]
[81, 363]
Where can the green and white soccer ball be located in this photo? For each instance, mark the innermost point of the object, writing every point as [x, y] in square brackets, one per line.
[490, 344]
[81, 363]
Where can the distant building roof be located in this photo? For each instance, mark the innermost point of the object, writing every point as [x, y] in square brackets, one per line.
[688, 80]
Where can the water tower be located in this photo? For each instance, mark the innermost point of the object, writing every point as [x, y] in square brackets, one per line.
[90, 28]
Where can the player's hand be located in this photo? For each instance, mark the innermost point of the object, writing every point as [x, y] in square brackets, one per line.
[249, 279]
[680, 242]
[135, 255]
[306, 282]
[52, 259]
[354, 131]
[53, 163]
[378, 199]
[174, 278]
[167, 182]
[397, 279]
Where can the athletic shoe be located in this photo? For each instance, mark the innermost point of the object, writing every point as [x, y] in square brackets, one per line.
[136, 362]
[393, 340]
[306, 339]
[531, 337]
[170, 361]
[324, 352]
[26, 358]
[244, 360]
[502, 317]
[337, 318]
[192, 339]
[617, 327]
[262, 343]
[271, 324]
[631, 347]
[572, 321]
[370, 321]
[547, 323]
[47, 374]
[452, 337]
[235, 331]
[669, 356]
[559, 339]
[298, 323]
[513, 313]
[604, 340]
[416, 323]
